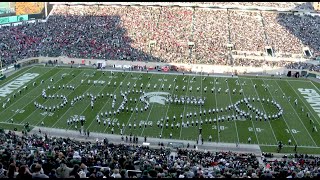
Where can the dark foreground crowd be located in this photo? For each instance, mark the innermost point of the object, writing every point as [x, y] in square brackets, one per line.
[40, 156]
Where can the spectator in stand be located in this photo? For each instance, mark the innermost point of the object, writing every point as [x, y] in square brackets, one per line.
[303, 66]
[113, 160]
[24, 173]
[298, 5]
[160, 34]
[74, 172]
[3, 172]
[12, 171]
[53, 175]
[37, 172]
[63, 171]
[116, 174]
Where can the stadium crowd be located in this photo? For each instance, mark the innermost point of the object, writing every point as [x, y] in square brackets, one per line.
[117, 33]
[296, 5]
[259, 63]
[293, 166]
[163, 34]
[40, 156]
[303, 66]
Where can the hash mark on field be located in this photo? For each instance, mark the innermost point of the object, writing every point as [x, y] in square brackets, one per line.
[114, 92]
[130, 89]
[215, 95]
[92, 85]
[56, 93]
[201, 90]
[283, 116]
[235, 124]
[184, 106]
[298, 116]
[135, 106]
[166, 111]
[297, 113]
[248, 108]
[274, 135]
[11, 105]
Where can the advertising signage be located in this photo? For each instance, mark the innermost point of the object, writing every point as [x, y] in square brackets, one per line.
[13, 19]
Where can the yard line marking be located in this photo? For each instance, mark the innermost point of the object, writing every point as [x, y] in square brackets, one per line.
[85, 107]
[45, 83]
[266, 78]
[127, 106]
[94, 120]
[314, 85]
[283, 117]
[137, 105]
[248, 109]
[184, 108]
[167, 109]
[274, 135]
[11, 105]
[110, 99]
[215, 99]
[233, 113]
[311, 112]
[298, 116]
[48, 98]
[60, 118]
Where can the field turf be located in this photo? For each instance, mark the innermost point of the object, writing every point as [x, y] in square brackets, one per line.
[294, 124]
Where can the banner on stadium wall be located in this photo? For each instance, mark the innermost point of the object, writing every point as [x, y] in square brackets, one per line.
[165, 69]
[312, 75]
[22, 18]
[28, 62]
[313, 72]
[4, 20]
[13, 19]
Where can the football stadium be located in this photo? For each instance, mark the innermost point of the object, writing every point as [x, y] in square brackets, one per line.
[159, 90]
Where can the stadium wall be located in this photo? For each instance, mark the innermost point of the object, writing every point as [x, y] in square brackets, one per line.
[314, 74]
[192, 67]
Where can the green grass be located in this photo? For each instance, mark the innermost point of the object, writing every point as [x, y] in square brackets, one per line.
[292, 125]
[12, 127]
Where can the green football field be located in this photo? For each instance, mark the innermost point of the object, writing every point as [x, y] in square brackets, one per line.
[293, 124]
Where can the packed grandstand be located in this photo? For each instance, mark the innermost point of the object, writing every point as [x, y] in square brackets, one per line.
[56, 157]
[156, 34]
[164, 34]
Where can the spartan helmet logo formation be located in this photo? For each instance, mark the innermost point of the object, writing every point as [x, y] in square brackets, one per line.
[156, 97]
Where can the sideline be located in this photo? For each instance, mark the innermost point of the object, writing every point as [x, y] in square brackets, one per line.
[116, 139]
